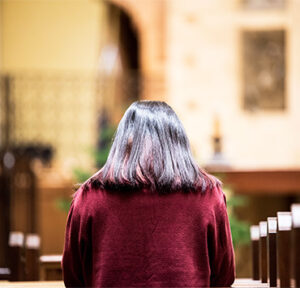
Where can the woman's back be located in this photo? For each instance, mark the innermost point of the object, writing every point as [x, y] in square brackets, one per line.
[150, 216]
[147, 239]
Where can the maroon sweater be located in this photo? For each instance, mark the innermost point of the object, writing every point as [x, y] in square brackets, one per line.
[148, 240]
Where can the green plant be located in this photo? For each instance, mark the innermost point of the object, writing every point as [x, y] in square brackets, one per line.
[239, 229]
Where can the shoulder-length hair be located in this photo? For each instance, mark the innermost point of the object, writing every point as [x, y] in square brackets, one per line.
[151, 151]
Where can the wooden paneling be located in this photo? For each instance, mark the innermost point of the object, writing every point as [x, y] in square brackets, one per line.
[262, 181]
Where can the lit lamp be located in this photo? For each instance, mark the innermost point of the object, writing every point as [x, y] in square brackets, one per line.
[218, 161]
[217, 139]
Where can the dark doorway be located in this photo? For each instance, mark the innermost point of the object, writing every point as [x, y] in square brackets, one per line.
[124, 36]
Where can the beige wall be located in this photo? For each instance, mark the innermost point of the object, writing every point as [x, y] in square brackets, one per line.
[45, 39]
[52, 48]
[204, 80]
[50, 34]
[192, 50]
[1, 33]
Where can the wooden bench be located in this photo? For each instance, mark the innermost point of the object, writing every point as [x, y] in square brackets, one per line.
[51, 267]
[295, 245]
[39, 284]
[23, 256]
[276, 250]
[239, 283]
[283, 243]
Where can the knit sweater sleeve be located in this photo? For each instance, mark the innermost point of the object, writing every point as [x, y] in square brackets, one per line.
[76, 249]
[220, 246]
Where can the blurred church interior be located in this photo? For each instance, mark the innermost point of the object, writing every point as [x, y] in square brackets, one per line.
[69, 69]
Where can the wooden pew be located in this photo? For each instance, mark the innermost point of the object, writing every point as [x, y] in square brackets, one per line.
[16, 256]
[256, 261]
[32, 251]
[32, 284]
[272, 251]
[51, 267]
[295, 245]
[248, 283]
[254, 233]
[4, 273]
[263, 252]
[283, 248]
[239, 283]
[279, 250]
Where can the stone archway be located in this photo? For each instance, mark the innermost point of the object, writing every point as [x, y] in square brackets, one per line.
[149, 19]
[119, 65]
[128, 8]
[142, 32]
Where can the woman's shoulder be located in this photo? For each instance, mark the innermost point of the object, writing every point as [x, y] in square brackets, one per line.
[87, 198]
[214, 195]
